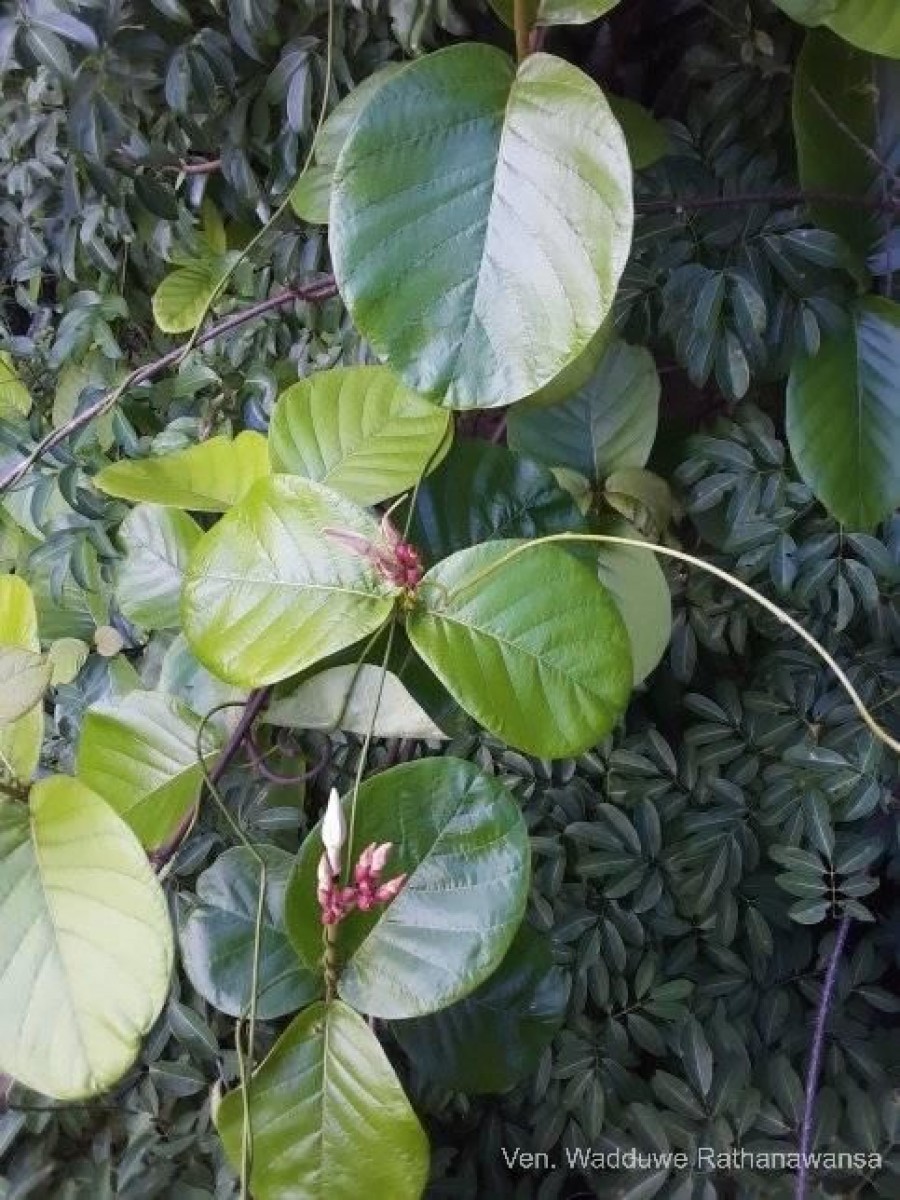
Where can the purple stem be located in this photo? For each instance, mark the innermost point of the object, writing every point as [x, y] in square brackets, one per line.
[815, 1056]
[256, 702]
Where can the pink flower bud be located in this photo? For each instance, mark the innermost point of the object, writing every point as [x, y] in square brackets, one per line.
[388, 891]
[380, 855]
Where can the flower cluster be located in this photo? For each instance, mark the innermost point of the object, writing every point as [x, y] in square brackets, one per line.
[366, 890]
[395, 560]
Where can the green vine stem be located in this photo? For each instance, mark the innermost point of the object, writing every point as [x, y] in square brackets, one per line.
[522, 22]
[691, 560]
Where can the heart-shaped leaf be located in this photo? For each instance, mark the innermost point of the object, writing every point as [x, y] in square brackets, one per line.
[86, 945]
[482, 492]
[461, 840]
[274, 588]
[480, 222]
[158, 542]
[532, 646]
[872, 25]
[607, 424]
[20, 741]
[494, 1037]
[208, 477]
[359, 430]
[330, 1119]
[843, 417]
[557, 12]
[217, 936]
[140, 755]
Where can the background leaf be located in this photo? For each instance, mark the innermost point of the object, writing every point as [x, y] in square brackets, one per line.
[20, 742]
[636, 582]
[460, 837]
[24, 677]
[268, 592]
[86, 948]
[482, 492]
[441, 208]
[608, 424]
[358, 430]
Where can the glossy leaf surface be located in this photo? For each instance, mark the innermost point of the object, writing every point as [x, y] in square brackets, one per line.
[140, 755]
[157, 542]
[269, 591]
[491, 1039]
[20, 741]
[843, 417]
[358, 430]
[533, 648]
[208, 477]
[217, 936]
[463, 180]
[330, 1118]
[460, 838]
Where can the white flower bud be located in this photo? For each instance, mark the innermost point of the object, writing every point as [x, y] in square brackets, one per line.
[334, 831]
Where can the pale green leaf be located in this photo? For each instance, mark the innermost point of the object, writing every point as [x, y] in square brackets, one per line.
[140, 755]
[345, 698]
[533, 648]
[208, 477]
[15, 399]
[449, 204]
[157, 543]
[359, 430]
[24, 677]
[181, 299]
[330, 1119]
[636, 582]
[20, 742]
[273, 589]
[86, 945]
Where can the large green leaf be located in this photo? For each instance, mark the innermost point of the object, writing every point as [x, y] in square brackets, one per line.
[157, 543]
[480, 221]
[845, 122]
[636, 582]
[311, 195]
[330, 1119]
[461, 839]
[270, 591]
[494, 1037]
[533, 648]
[20, 741]
[609, 423]
[843, 417]
[356, 699]
[208, 477]
[140, 754]
[359, 430]
[482, 492]
[217, 936]
[86, 946]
